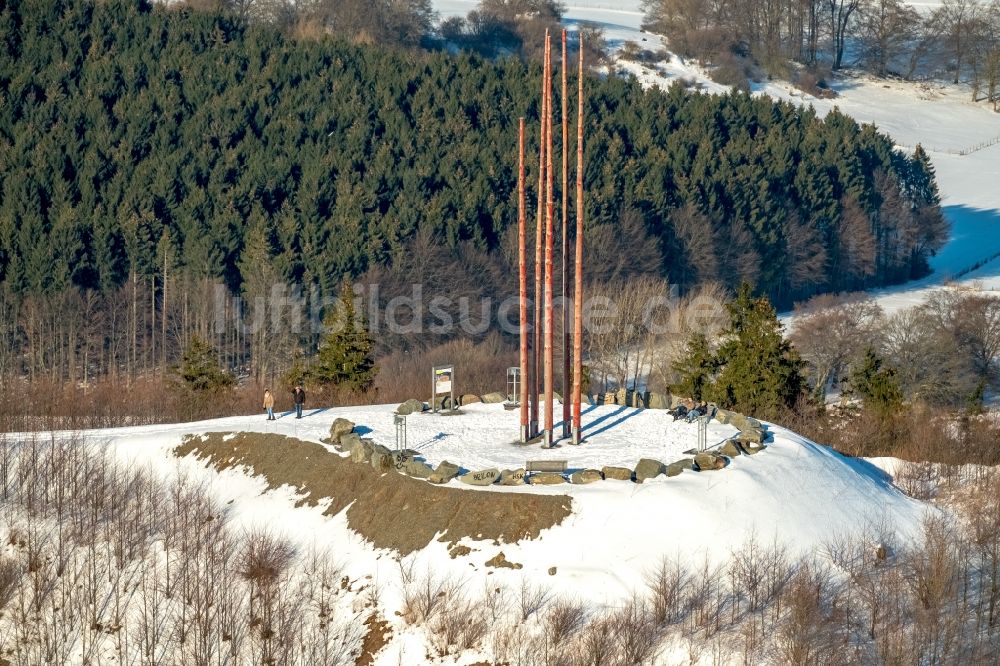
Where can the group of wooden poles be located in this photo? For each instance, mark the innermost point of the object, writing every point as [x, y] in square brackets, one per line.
[536, 339]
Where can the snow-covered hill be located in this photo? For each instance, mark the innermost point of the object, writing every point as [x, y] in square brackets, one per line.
[795, 491]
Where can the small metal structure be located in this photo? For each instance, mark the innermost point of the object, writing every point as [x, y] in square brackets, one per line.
[399, 420]
[443, 383]
[703, 432]
[514, 385]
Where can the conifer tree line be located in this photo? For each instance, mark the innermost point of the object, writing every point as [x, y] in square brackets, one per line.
[155, 163]
[958, 40]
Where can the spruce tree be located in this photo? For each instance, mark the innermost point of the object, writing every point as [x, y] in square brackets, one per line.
[344, 359]
[200, 371]
[695, 368]
[760, 372]
[877, 385]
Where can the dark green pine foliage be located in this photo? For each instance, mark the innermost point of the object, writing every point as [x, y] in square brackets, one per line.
[760, 372]
[695, 369]
[199, 370]
[877, 385]
[345, 359]
[123, 120]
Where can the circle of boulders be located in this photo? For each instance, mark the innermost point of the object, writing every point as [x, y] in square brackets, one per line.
[749, 441]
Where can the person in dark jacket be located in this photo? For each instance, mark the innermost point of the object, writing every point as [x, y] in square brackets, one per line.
[300, 398]
[678, 412]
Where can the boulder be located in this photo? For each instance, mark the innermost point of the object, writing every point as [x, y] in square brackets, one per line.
[546, 479]
[512, 477]
[708, 461]
[361, 450]
[339, 428]
[444, 473]
[609, 398]
[676, 400]
[494, 398]
[500, 560]
[484, 477]
[442, 402]
[381, 458]
[470, 399]
[752, 435]
[586, 476]
[751, 448]
[617, 473]
[725, 416]
[347, 442]
[623, 397]
[648, 469]
[658, 400]
[730, 448]
[675, 468]
[411, 406]
[418, 469]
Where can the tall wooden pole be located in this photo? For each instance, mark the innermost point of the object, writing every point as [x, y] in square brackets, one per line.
[522, 224]
[536, 347]
[565, 244]
[549, 214]
[578, 275]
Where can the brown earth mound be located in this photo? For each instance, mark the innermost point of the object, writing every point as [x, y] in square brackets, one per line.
[390, 510]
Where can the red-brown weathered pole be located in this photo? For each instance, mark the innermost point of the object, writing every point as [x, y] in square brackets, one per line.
[549, 214]
[522, 224]
[565, 244]
[578, 275]
[536, 347]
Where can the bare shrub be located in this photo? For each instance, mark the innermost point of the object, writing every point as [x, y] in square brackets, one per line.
[424, 594]
[563, 620]
[533, 599]
[667, 585]
[635, 632]
[10, 577]
[461, 624]
[808, 632]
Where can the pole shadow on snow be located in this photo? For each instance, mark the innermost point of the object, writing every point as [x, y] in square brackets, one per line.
[582, 414]
[618, 412]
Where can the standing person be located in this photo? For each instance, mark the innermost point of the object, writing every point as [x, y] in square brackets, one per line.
[300, 397]
[269, 404]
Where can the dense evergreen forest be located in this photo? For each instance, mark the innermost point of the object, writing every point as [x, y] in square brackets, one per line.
[147, 154]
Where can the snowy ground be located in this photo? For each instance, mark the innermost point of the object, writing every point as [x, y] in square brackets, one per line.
[796, 492]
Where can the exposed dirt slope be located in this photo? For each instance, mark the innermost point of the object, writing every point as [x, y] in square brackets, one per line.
[390, 510]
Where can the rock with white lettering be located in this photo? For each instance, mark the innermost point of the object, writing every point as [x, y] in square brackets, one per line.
[512, 477]
[617, 473]
[486, 477]
[586, 476]
[444, 473]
